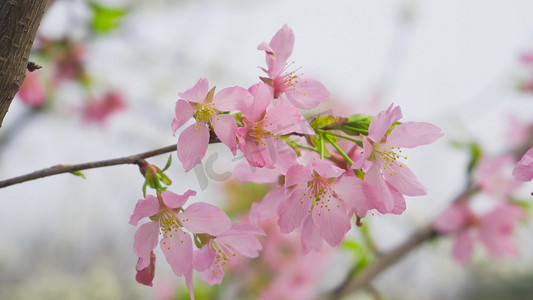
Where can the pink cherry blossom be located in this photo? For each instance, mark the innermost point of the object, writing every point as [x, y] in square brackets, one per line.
[168, 218]
[302, 92]
[259, 138]
[318, 203]
[220, 249]
[201, 104]
[32, 90]
[493, 229]
[391, 177]
[523, 170]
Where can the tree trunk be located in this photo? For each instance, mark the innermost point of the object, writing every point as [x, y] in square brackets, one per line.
[19, 20]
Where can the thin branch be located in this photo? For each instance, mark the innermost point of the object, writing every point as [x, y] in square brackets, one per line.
[59, 169]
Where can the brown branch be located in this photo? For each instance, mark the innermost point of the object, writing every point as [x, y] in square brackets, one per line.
[59, 169]
[19, 21]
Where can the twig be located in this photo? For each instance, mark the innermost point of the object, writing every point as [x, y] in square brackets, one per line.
[132, 159]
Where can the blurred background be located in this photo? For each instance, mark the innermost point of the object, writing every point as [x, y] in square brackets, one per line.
[110, 77]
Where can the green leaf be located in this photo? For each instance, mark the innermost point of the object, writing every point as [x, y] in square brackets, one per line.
[105, 18]
[322, 121]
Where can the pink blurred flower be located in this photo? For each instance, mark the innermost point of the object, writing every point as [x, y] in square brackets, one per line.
[167, 218]
[32, 90]
[98, 110]
[302, 92]
[205, 107]
[518, 131]
[523, 171]
[220, 249]
[263, 124]
[493, 179]
[381, 154]
[493, 229]
[318, 203]
[294, 275]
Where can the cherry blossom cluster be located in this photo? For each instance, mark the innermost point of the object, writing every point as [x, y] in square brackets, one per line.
[496, 182]
[327, 169]
[65, 60]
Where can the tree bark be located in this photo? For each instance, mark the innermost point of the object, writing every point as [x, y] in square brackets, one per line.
[19, 21]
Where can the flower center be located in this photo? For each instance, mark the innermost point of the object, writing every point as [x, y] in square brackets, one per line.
[259, 131]
[223, 253]
[319, 189]
[387, 157]
[204, 112]
[168, 222]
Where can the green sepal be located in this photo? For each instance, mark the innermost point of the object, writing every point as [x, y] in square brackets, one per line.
[78, 173]
[169, 162]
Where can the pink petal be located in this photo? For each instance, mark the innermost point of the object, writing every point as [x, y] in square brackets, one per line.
[325, 170]
[203, 258]
[174, 201]
[282, 119]
[177, 248]
[523, 170]
[462, 247]
[267, 208]
[197, 93]
[225, 127]
[144, 208]
[233, 98]
[404, 180]
[358, 194]
[242, 241]
[146, 275]
[367, 151]
[298, 175]
[374, 178]
[399, 201]
[184, 112]
[252, 152]
[451, 219]
[144, 241]
[213, 275]
[262, 96]
[192, 145]
[311, 239]
[412, 134]
[282, 157]
[281, 44]
[306, 93]
[331, 219]
[381, 123]
[293, 209]
[204, 218]
[243, 172]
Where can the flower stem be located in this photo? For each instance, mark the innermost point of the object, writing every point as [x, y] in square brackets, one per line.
[348, 159]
